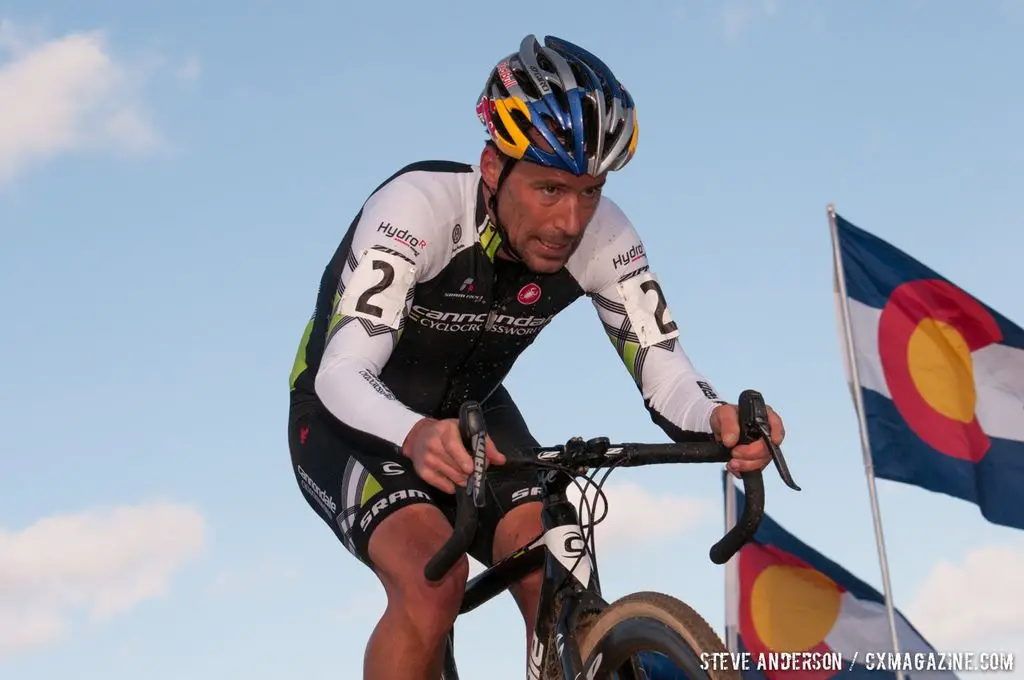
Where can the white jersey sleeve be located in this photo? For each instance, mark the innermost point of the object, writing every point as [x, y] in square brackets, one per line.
[396, 243]
[635, 314]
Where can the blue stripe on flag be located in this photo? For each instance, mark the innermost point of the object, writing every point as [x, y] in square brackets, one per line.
[874, 268]
[993, 484]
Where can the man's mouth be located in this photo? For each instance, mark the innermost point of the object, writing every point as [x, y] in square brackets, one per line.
[554, 247]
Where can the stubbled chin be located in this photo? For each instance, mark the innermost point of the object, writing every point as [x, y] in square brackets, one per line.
[546, 264]
[541, 260]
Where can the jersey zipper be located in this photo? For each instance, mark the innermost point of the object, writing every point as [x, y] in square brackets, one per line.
[499, 297]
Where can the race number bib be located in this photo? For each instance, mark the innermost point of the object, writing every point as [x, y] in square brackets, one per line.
[648, 313]
[378, 288]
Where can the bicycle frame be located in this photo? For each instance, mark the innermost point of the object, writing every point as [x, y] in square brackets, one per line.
[571, 585]
[564, 595]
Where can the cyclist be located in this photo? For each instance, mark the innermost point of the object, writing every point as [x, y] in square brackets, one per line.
[446, 274]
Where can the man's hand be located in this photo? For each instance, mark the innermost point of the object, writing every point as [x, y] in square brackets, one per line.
[438, 456]
[725, 424]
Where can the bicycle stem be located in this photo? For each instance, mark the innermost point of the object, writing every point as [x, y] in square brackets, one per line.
[754, 424]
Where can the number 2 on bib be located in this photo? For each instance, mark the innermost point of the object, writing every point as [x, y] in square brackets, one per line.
[378, 288]
[647, 310]
[363, 302]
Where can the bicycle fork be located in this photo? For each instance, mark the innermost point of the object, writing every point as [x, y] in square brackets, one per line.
[569, 573]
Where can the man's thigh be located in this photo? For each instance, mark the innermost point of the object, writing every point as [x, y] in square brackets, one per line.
[508, 429]
[352, 485]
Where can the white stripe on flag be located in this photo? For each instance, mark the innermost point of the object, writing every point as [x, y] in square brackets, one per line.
[998, 375]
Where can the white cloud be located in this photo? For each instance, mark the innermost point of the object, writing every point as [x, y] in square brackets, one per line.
[633, 515]
[100, 562]
[738, 15]
[964, 605]
[66, 94]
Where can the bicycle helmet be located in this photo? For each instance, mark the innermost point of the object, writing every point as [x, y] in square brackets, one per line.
[561, 91]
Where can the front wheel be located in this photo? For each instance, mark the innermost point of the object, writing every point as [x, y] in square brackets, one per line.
[650, 635]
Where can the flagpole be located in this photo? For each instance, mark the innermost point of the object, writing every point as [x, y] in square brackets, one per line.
[869, 469]
[731, 570]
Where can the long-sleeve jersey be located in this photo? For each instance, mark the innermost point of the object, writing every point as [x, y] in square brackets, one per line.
[416, 314]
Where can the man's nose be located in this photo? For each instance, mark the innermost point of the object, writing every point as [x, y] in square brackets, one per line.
[570, 217]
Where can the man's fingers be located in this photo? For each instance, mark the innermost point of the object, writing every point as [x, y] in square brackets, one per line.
[746, 457]
[452, 441]
[442, 465]
[437, 480]
[728, 425]
[754, 451]
[493, 454]
[778, 430]
[737, 466]
[749, 457]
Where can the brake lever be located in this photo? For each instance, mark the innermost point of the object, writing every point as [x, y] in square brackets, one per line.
[754, 420]
[474, 437]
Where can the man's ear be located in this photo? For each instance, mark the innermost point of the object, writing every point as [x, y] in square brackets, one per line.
[490, 165]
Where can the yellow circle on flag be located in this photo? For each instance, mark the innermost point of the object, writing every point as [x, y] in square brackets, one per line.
[941, 367]
[793, 608]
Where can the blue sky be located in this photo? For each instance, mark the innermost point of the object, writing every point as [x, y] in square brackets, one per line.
[174, 176]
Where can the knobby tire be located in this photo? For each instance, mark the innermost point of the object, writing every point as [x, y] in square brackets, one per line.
[637, 623]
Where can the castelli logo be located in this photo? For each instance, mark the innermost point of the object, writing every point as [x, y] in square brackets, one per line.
[529, 294]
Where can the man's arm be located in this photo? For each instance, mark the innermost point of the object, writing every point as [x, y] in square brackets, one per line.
[370, 308]
[637, 319]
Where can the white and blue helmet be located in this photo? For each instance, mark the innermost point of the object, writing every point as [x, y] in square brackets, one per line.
[570, 97]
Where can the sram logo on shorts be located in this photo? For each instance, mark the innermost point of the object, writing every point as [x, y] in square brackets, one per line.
[520, 494]
[383, 502]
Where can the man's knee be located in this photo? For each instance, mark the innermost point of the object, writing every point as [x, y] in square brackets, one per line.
[399, 549]
[516, 528]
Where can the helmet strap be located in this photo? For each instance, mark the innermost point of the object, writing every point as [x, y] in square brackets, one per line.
[505, 243]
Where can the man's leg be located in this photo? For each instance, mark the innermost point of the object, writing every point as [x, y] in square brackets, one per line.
[520, 525]
[384, 515]
[517, 515]
[408, 641]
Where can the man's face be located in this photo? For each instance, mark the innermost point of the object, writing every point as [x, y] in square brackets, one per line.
[544, 211]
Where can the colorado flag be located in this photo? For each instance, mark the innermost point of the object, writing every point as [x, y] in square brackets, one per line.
[941, 376]
[791, 598]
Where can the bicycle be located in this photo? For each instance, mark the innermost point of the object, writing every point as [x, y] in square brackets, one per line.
[578, 635]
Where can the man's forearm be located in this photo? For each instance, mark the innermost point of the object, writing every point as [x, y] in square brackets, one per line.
[351, 391]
